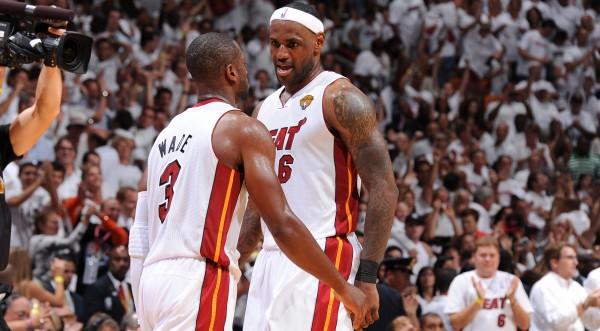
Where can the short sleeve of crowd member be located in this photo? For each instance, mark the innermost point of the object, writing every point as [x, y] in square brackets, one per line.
[525, 41]
[458, 293]
[397, 10]
[523, 299]
[7, 154]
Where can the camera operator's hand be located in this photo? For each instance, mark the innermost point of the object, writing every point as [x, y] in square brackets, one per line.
[57, 32]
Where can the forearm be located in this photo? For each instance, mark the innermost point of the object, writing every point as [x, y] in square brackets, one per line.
[457, 229]
[32, 122]
[119, 235]
[48, 92]
[378, 221]
[138, 245]
[522, 318]
[250, 233]
[430, 225]
[17, 200]
[462, 318]
[298, 244]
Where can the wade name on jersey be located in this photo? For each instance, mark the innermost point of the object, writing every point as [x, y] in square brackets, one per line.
[175, 145]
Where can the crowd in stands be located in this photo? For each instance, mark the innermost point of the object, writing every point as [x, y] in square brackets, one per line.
[490, 109]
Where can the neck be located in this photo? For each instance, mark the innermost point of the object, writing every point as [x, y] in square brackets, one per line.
[208, 91]
[314, 72]
[482, 274]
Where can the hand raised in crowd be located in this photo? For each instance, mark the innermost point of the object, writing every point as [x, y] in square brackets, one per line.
[410, 302]
[506, 242]
[45, 174]
[40, 314]
[57, 267]
[478, 287]
[593, 298]
[512, 289]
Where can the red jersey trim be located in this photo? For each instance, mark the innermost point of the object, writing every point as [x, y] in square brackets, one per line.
[346, 190]
[226, 189]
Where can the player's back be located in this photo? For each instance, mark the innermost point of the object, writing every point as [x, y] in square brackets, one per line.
[195, 203]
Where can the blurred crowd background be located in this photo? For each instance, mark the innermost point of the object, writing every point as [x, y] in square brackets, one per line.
[489, 108]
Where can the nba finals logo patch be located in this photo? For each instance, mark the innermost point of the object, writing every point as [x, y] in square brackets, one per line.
[305, 102]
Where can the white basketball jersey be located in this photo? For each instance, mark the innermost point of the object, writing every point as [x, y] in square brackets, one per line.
[495, 313]
[195, 203]
[314, 167]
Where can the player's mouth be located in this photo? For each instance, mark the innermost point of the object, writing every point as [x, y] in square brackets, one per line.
[283, 71]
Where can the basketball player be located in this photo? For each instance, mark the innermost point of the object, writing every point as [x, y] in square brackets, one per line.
[486, 298]
[326, 136]
[198, 171]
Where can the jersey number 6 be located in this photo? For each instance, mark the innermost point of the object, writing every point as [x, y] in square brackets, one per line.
[168, 178]
[285, 170]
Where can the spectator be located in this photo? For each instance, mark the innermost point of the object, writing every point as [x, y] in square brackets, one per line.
[111, 293]
[24, 283]
[45, 242]
[73, 311]
[444, 278]
[561, 303]
[486, 297]
[393, 301]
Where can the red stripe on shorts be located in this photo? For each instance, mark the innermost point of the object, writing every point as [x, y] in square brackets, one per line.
[212, 312]
[340, 252]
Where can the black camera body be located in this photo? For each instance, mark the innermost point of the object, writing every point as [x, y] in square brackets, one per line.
[24, 38]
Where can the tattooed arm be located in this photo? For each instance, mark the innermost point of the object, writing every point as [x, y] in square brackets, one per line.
[351, 116]
[250, 233]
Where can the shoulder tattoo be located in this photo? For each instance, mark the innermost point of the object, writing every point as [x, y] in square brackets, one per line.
[354, 113]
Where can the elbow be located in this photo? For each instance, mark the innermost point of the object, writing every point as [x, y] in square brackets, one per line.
[456, 325]
[281, 233]
[392, 191]
[47, 109]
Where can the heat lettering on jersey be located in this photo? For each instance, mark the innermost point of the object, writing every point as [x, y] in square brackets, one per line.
[175, 144]
[494, 303]
[284, 137]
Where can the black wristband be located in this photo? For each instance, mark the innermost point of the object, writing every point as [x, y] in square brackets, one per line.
[367, 271]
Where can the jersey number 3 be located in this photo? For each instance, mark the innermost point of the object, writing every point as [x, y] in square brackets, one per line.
[168, 179]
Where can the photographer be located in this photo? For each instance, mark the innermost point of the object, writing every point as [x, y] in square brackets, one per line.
[19, 136]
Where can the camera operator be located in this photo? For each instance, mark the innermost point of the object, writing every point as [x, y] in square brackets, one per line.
[19, 136]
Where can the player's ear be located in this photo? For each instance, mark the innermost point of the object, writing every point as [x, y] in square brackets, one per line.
[319, 42]
[230, 73]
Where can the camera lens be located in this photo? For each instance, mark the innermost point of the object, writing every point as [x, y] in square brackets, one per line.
[70, 51]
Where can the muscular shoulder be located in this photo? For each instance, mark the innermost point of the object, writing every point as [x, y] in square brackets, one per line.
[346, 108]
[240, 125]
[235, 133]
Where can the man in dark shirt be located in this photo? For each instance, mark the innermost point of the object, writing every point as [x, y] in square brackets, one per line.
[393, 294]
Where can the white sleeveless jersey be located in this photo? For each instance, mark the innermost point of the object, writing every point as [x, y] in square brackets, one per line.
[314, 167]
[195, 203]
[496, 313]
